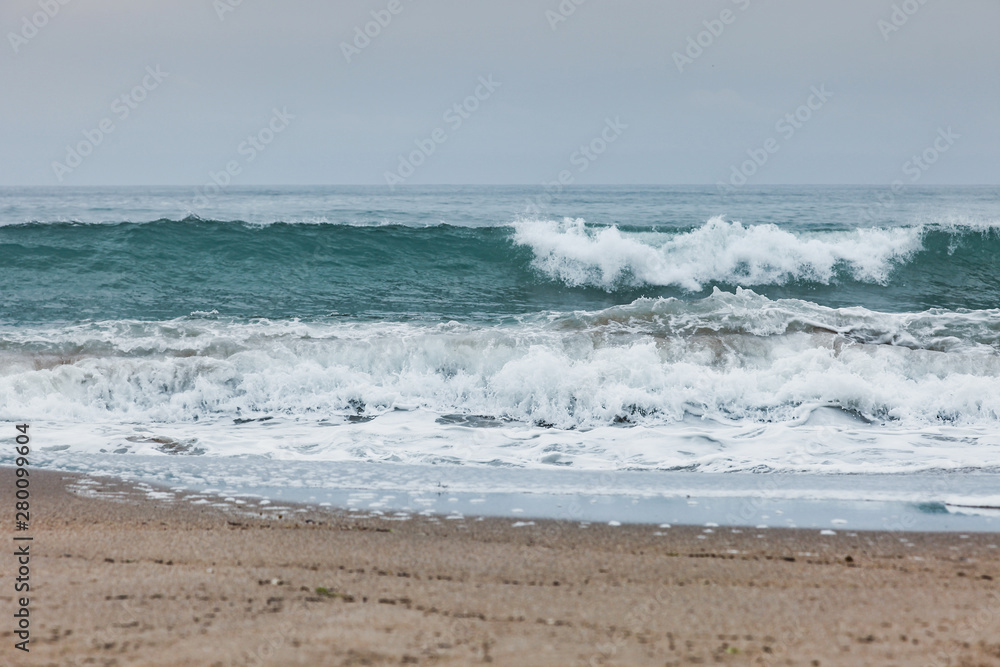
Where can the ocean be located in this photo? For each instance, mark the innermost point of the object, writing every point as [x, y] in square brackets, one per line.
[774, 331]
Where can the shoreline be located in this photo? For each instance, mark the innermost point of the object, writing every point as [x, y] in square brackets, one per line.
[122, 576]
[921, 502]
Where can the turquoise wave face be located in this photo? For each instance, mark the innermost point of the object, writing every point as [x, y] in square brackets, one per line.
[167, 269]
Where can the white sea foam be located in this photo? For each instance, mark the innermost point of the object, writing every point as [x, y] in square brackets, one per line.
[731, 382]
[719, 251]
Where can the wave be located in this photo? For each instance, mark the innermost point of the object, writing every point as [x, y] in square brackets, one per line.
[168, 268]
[744, 312]
[262, 223]
[732, 357]
[729, 253]
[735, 381]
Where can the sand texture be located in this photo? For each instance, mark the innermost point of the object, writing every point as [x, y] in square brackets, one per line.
[122, 576]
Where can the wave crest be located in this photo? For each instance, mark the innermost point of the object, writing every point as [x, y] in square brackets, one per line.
[731, 357]
[717, 252]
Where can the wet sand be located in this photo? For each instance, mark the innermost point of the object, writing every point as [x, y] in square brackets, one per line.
[122, 576]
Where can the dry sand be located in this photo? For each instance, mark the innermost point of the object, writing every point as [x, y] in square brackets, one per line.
[120, 578]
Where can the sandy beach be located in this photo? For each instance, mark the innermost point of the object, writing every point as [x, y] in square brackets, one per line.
[531, 334]
[122, 577]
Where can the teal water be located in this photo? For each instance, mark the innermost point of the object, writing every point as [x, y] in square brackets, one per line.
[459, 252]
[795, 329]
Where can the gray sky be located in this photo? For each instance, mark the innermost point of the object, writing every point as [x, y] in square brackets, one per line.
[226, 73]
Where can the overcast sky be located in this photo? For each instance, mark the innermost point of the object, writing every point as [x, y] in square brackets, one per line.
[678, 113]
